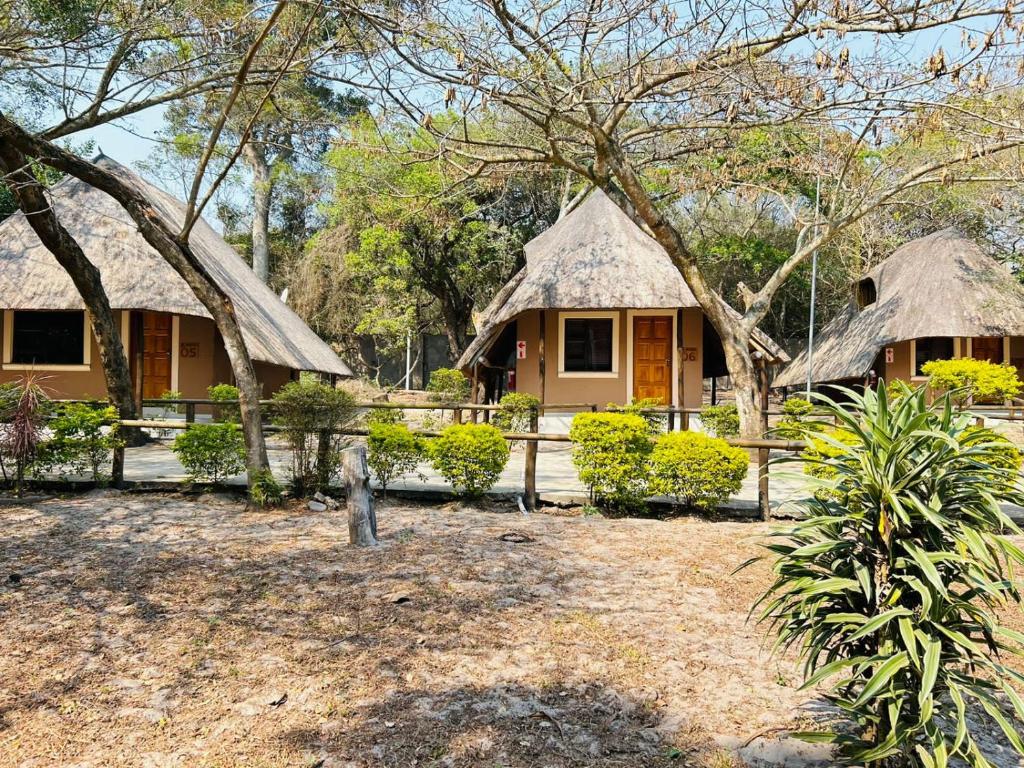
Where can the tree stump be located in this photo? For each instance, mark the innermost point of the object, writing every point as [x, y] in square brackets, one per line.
[362, 520]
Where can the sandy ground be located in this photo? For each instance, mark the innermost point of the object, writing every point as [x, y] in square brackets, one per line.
[163, 631]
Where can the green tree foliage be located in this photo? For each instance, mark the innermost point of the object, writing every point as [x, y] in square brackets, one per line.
[310, 414]
[696, 470]
[890, 586]
[392, 451]
[210, 452]
[967, 379]
[470, 457]
[417, 249]
[610, 451]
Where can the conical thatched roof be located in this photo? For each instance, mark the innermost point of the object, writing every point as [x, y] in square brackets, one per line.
[939, 285]
[135, 276]
[594, 258]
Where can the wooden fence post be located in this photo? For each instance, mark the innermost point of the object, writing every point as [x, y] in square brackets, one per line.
[531, 462]
[190, 412]
[362, 520]
[763, 502]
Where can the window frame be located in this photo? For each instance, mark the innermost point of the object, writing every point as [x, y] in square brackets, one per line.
[8, 348]
[914, 375]
[612, 315]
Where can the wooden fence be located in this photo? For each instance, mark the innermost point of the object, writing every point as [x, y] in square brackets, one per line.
[531, 439]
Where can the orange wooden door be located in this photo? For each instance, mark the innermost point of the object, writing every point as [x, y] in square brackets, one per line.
[987, 348]
[156, 354]
[652, 358]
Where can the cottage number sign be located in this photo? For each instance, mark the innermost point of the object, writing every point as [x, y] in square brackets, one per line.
[520, 350]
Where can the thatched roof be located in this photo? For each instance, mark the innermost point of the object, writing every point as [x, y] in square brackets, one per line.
[596, 257]
[135, 276]
[939, 285]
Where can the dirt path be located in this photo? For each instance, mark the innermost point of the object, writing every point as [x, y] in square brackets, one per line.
[158, 631]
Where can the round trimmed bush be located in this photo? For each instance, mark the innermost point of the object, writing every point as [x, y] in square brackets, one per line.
[610, 453]
[470, 457]
[392, 451]
[516, 411]
[210, 451]
[696, 470]
[721, 420]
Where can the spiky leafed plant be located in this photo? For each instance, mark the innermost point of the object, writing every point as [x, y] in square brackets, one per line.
[24, 406]
[888, 587]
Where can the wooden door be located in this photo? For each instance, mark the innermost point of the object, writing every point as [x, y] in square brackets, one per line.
[652, 358]
[987, 348]
[156, 354]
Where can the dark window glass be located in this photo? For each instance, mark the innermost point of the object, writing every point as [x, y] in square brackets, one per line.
[935, 348]
[588, 345]
[48, 338]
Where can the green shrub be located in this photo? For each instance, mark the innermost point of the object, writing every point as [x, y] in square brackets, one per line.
[1002, 456]
[826, 444]
[310, 414]
[385, 416]
[264, 490]
[210, 451]
[168, 408]
[470, 457]
[795, 411]
[81, 442]
[695, 469]
[448, 385]
[609, 451]
[968, 379]
[656, 422]
[890, 589]
[225, 411]
[721, 420]
[392, 451]
[517, 409]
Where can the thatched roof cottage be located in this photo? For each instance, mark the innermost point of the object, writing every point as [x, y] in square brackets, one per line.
[171, 341]
[599, 314]
[937, 297]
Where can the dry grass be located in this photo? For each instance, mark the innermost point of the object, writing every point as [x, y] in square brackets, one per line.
[160, 631]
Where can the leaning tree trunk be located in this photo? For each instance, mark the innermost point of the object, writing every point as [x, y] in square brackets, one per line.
[178, 254]
[32, 200]
[262, 191]
[743, 372]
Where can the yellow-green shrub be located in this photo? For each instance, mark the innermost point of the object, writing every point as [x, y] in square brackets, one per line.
[695, 469]
[210, 451]
[966, 378]
[392, 451]
[644, 407]
[226, 397]
[471, 457]
[721, 420]
[517, 409]
[610, 453]
[448, 385]
[816, 457]
[1001, 454]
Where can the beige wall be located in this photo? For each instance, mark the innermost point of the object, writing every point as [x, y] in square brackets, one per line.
[607, 389]
[899, 368]
[202, 361]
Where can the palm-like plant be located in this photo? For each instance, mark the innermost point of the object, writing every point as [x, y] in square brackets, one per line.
[24, 406]
[889, 585]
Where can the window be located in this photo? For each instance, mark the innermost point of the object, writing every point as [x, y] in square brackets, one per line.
[867, 294]
[934, 348]
[588, 344]
[46, 338]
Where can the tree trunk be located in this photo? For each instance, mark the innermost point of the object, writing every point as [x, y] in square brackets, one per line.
[743, 372]
[157, 232]
[362, 520]
[262, 192]
[32, 199]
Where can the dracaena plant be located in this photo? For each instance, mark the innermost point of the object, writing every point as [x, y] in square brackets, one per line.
[890, 584]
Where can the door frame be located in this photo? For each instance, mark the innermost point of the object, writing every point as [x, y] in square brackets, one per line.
[126, 341]
[674, 315]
